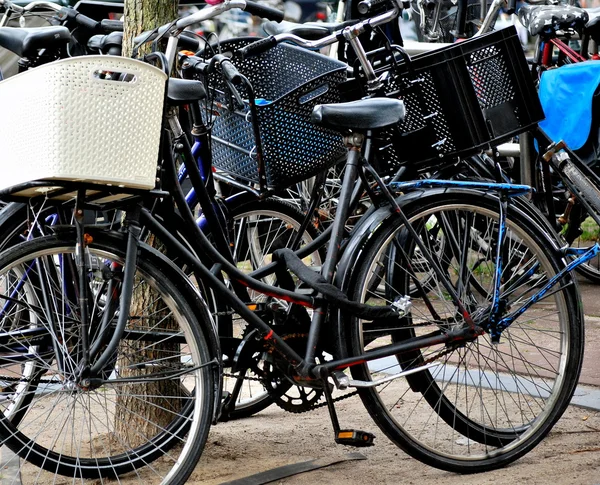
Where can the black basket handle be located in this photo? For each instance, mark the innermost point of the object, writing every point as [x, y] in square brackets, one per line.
[405, 57]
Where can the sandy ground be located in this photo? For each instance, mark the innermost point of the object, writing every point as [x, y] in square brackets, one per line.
[273, 438]
[569, 455]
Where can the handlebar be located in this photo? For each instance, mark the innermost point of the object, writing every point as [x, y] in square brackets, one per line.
[213, 11]
[229, 71]
[191, 65]
[109, 26]
[70, 14]
[66, 14]
[30, 6]
[349, 32]
[259, 46]
[264, 11]
[196, 65]
[13, 7]
[176, 28]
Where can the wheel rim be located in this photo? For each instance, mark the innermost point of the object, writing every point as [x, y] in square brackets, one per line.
[76, 432]
[469, 383]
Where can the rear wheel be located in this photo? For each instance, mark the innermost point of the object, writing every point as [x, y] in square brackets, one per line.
[480, 405]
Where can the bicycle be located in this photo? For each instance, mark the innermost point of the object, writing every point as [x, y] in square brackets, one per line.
[264, 223]
[528, 267]
[551, 25]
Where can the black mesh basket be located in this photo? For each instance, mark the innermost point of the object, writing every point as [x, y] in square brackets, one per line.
[459, 99]
[287, 82]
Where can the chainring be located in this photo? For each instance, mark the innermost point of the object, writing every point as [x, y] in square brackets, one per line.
[294, 398]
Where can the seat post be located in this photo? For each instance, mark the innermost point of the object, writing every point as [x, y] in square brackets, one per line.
[354, 143]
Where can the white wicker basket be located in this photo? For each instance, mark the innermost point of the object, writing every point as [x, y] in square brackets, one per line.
[67, 121]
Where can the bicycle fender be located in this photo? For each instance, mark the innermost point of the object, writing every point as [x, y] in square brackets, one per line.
[361, 234]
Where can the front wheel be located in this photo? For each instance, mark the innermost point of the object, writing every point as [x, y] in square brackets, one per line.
[154, 397]
[479, 405]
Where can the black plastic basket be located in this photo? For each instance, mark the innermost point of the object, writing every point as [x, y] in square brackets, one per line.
[287, 82]
[460, 99]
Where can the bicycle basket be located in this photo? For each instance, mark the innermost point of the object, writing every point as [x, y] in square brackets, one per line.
[288, 82]
[460, 99]
[77, 120]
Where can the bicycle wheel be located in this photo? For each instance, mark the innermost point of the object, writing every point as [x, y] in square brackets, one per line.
[154, 397]
[480, 405]
[258, 228]
[268, 225]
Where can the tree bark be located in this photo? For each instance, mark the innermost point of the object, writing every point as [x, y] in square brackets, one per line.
[142, 15]
[143, 409]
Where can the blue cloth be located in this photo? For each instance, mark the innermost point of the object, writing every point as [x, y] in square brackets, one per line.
[566, 96]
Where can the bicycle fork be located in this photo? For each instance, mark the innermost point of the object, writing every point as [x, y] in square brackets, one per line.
[93, 359]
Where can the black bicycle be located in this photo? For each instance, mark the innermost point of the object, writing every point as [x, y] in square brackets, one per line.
[467, 375]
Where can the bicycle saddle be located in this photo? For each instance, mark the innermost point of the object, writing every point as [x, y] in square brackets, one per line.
[25, 41]
[184, 91]
[309, 30]
[548, 19]
[365, 114]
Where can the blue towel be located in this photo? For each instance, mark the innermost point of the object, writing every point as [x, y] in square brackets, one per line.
[566, 96]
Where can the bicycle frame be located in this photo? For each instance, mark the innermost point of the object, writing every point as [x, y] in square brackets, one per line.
[304, 366]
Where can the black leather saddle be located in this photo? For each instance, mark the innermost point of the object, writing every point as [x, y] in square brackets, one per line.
[362, 115]
[184, 91]
[26, 41]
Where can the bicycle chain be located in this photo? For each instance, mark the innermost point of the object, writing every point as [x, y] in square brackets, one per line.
[354, 393]
[351, 394]
[315, 406]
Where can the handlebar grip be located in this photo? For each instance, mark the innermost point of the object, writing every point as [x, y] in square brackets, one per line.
[258, 47]
[366, 5]
[193, 65]
[86, 22]
[109, 26]
[230, 72]
[263, 11]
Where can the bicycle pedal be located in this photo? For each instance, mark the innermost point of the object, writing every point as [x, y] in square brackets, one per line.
[354, 437]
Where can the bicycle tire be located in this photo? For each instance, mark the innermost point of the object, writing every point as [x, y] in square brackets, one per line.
[101, 448]
[447, 425]
[590, 233]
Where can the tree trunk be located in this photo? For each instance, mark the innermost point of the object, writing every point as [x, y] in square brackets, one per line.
[142, 15]
[140, 410]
